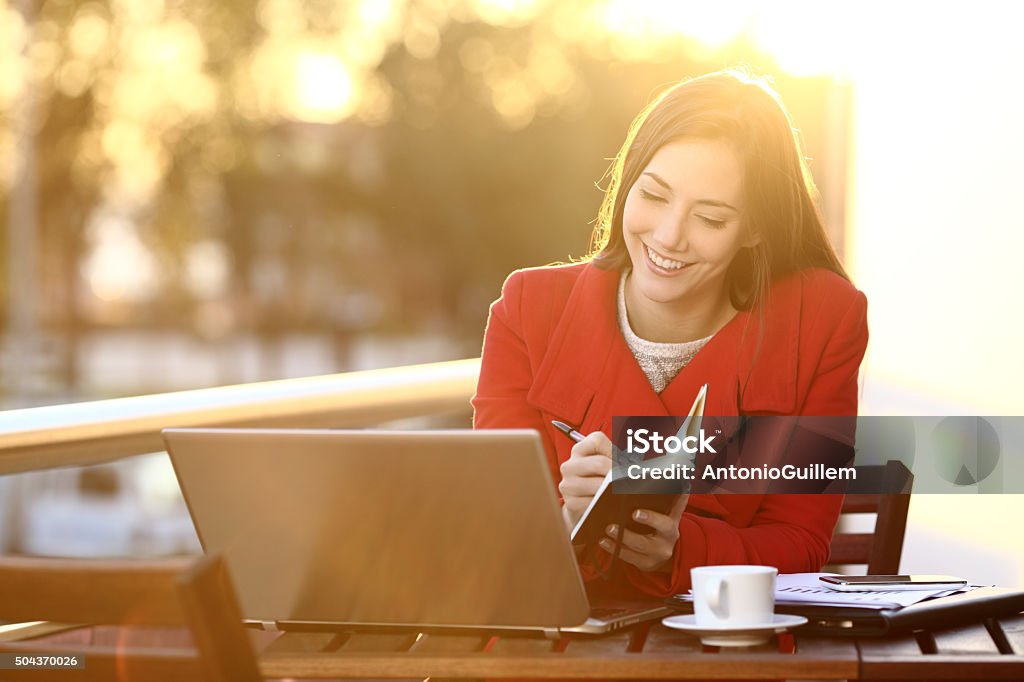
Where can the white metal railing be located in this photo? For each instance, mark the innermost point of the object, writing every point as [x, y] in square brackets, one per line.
[88, 433]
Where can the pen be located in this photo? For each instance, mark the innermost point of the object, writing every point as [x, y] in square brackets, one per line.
[568, 430]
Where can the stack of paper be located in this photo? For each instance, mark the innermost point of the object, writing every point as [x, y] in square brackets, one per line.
[805, 589]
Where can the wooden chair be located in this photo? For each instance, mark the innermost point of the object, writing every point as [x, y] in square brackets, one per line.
[197, 595]
[879, 550]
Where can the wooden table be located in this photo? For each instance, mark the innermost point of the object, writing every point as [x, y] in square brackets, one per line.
[990, 651]
[993, 650]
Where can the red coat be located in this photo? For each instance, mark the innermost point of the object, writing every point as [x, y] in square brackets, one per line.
[553, 350]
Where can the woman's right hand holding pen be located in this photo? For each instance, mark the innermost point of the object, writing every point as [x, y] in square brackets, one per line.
[589, 462]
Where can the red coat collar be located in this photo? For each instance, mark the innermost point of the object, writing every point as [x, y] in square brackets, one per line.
[588, 369]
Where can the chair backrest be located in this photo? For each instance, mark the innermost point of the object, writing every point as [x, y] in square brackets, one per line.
[879, 551]
[195, 594]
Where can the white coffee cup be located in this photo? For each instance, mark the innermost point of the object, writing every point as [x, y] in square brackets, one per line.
[733, 595]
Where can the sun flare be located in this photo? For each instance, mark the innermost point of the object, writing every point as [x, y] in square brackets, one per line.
[324, 91]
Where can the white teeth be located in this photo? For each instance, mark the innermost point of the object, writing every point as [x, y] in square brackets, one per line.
[663, 262]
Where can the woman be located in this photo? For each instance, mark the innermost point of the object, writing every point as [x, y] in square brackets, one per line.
[711, 265]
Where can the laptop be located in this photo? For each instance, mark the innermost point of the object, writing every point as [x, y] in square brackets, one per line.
[451, 530]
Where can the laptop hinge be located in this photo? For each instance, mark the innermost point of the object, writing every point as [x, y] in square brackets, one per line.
[552, 633]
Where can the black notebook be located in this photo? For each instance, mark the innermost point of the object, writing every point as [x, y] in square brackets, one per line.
[940, 612]
[610, 507]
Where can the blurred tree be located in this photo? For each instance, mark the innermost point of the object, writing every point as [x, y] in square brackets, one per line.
[344, 167]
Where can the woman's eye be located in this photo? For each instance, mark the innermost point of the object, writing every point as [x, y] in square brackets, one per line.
[650, 197]
[712, 223]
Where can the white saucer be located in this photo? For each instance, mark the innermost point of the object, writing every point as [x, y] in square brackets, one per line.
[734, 635]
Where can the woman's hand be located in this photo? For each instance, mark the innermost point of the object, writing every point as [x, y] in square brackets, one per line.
[589, 462]
[649, 552]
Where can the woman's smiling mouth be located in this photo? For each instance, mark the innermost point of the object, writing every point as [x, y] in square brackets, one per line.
[661, 264]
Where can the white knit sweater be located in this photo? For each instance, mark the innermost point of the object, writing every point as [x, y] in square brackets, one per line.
[661, 362]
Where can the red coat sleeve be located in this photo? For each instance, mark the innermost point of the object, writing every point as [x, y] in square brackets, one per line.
[791, 532]
[506, 371]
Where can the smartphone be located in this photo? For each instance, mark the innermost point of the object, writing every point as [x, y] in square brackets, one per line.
[888, 583]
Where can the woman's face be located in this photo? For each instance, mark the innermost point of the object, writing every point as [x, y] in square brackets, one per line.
[683, 224]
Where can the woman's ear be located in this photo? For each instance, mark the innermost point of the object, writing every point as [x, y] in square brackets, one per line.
[750, 240]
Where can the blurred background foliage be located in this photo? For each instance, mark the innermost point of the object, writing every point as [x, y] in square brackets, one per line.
[248, 173]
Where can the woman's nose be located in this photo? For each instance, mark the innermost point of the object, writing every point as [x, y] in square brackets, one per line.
[670, 234]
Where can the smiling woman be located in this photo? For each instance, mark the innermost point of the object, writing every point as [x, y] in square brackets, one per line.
[736, 129]
[682, 229]
[711, 266]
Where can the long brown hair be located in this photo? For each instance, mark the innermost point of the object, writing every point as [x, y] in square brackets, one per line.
[779, 193]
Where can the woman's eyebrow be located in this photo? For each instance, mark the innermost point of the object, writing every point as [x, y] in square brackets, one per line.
[708, 202]
[657, 178]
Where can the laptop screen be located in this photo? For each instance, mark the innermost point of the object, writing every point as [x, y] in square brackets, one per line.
[445, 528]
